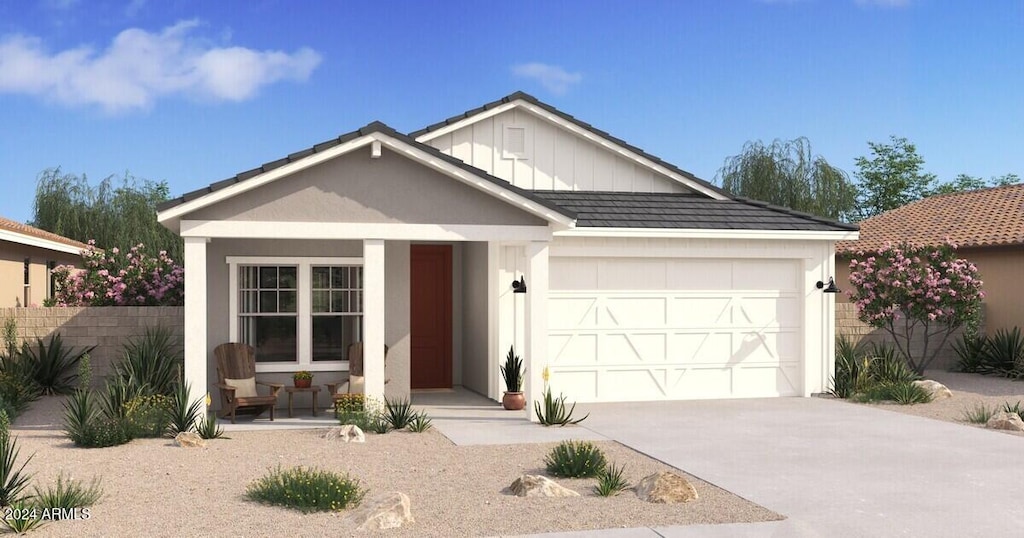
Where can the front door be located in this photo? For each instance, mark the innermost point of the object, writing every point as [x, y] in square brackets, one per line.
[431, 316]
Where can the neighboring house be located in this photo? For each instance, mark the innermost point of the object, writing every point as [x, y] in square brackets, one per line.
[643, 281]
[987, 226]
[27, 255]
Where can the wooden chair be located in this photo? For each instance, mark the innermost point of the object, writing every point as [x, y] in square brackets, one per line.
[355, 368]
[238, 362]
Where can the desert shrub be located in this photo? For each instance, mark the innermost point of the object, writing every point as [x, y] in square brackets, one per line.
[115, 397]
[888, 367]
[1004, 353]
[107, 431]
[610, 481]
[979, 413]
[87, 424]
[905, 393]
[61, 499]
[13, 479]
[22, 518]
[554, 412]
[151, 363]
[16, 392]
[358, 410]
[306, 489]
[378, 425]
[970, 353]
[349, 402]
[575, 459]
[148, 414]
[208, 428]
[398, 413]
[1015, 408]
[420, 422]
[183, 414]
[54, 367]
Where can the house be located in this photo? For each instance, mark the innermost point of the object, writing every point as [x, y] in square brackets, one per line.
[27, 255]
[987, 226]
[642, 281]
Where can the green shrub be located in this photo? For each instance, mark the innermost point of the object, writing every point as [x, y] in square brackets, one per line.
[378, 425]
[182, 415]
[420, 422]
[978, 414]
[575, 459]
[970, 352]
[610, 481]
[1004, 353]
[349, 403]
[13, 479]
[24, 518]
[889, 367]
[398, 413]
[902, 393]
[554, 412]
[1015, 408]
[115, 397]
[208, 428]
[61, 499]
[55, 367]
[80, 416]
[151, 364]
[308, 490]
[148, 414]
[17, 391]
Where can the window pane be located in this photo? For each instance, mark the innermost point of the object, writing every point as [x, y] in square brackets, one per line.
[286, 277]
[321, 277]
[321, 301]
[357, 282]
[286, 301]
[268, 277]
[247, 302]
[274, 338]
[339, 277]
[357, 303]
[268, 301]
[333, 334]
[339, 301]
[247, 277]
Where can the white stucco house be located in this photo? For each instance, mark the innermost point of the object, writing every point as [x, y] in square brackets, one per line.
[643, 281]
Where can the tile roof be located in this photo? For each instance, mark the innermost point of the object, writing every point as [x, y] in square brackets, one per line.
[523, 96]
[986, 217]
[374, 127]
[682, 211]
[25, 229]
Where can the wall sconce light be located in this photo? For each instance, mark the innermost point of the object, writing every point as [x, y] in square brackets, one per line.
[519, 286]
[831, 286]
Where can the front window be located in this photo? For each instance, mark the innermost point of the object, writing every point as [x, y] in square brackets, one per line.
[268, 310]
[337, 310]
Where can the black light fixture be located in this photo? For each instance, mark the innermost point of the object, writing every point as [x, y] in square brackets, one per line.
[831, 286]
[519, 286]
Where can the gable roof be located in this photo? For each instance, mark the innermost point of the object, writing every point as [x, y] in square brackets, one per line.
[981, 218]
[682, 211]
[468, 116]
[24, 234]
[360, 137]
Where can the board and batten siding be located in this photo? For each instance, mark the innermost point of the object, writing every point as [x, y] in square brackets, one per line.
[554, 158]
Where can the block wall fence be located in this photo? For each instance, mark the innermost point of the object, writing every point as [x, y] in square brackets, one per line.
[106, 327]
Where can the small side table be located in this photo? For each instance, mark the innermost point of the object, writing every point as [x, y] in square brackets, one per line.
[315, 389]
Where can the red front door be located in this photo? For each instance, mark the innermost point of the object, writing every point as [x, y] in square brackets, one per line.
[431, 316]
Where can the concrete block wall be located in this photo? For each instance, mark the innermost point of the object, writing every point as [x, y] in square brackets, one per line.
[857, 331]
[106, 327]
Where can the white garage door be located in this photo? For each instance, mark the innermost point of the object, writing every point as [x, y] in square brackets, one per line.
[626, 329]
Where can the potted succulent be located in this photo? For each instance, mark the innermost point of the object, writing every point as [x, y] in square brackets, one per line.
[512, 373]
[303, 379]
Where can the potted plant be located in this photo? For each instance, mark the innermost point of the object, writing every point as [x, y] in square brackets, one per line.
[302, 379]
[512, 373]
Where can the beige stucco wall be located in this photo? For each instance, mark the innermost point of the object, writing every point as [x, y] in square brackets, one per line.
[1001, 270]
[356, 188]
[12, 272]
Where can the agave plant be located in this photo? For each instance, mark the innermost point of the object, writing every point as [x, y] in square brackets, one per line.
[1005, 352]
[54, 366]
[970, 352]
[151, 363]
[13, 479]
[554, 412]
[183, 415]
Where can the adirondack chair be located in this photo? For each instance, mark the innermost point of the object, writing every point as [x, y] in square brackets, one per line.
[354, 384]
[236, 379]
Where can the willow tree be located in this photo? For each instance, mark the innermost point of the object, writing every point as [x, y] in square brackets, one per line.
[121, 214]
[786, 173]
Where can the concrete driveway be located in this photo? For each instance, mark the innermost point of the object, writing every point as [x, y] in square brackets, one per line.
[834, 469]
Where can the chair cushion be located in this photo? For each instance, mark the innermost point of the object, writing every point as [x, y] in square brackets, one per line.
[244, 388]
[356, 384]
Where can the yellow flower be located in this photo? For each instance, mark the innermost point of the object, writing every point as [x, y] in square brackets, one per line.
[546, 374]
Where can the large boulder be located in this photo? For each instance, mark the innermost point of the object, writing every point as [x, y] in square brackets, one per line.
[937, 390]
[387, 511]
[665, 488]
[1006, 421]
[189, 440]
[533, 485]
[349, 433]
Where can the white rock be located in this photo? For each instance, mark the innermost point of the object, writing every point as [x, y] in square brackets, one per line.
[937, 390]
[387, 511]
[532, 485]
[1006, 421]
[349, 433]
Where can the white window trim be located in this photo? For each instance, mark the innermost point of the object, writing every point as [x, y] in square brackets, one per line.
[304, 308]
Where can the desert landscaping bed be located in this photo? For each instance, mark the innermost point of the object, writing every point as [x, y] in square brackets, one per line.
[153, 486]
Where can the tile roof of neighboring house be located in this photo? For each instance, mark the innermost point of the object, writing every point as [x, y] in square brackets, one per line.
[534, 101]
[375, 127]
[683, 211]
[25, 229]
[986, 217]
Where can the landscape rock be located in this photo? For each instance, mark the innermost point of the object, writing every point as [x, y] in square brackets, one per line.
[387, 511]
[1006, 421]
[937, 390]
[189, 440]
[349, 433]
[532, 485]
[665, 488]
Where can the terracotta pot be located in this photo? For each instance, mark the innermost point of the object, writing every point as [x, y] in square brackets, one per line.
[303, 383]
[513, 401]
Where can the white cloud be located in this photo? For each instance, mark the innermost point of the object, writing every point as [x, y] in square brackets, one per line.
[883, 3]
[139, 67]
[555, 79]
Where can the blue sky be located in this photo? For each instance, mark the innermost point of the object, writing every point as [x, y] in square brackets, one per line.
[192, 92]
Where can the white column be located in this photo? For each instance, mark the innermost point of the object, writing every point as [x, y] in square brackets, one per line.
[373, 317]
[196, 364]
[536, 343]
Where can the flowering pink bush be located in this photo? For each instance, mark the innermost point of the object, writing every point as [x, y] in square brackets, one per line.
[908, 290]
[117, 278]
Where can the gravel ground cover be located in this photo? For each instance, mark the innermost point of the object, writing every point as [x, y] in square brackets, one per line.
[153, 488]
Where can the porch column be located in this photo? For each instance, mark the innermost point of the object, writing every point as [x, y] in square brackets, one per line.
[536, 347]
[196, 364]
[373, 317]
